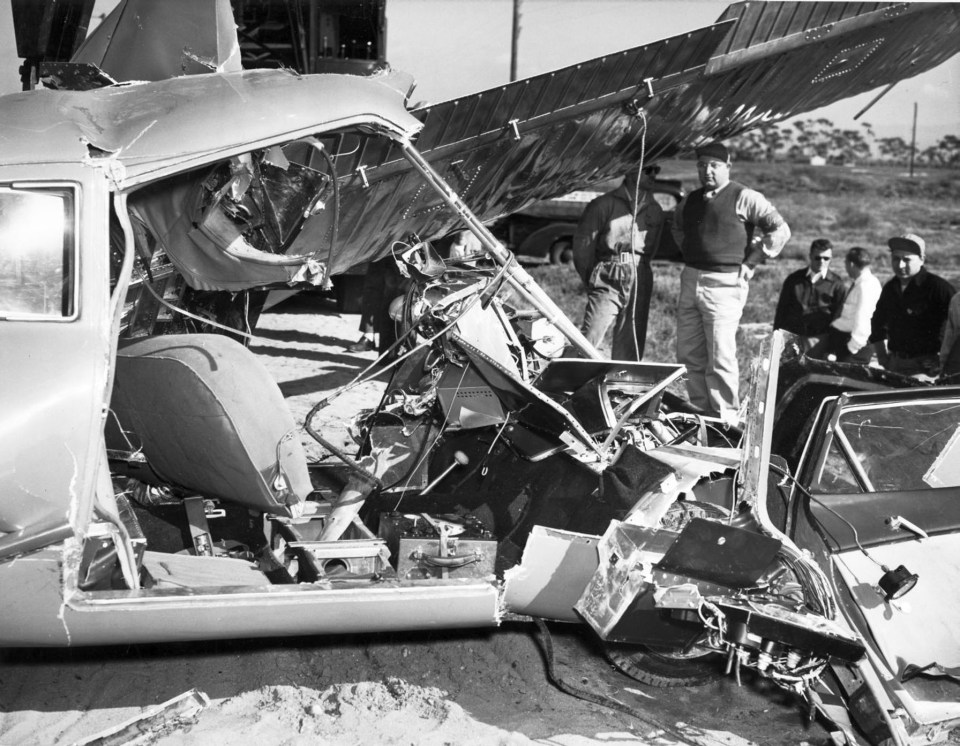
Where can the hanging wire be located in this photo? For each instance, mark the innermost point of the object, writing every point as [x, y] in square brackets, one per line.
[633, 237]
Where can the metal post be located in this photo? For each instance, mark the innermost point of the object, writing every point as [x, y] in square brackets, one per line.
[913, 139]
[514, 40]
[314, 52]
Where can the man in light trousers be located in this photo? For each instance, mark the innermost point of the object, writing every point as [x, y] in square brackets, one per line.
[715, 227]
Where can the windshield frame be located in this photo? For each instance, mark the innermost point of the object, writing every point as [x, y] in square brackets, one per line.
[837, 441]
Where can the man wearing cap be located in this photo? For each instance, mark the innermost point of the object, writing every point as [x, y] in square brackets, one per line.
[811, 297]
[715, 228]
[907, 325]
[612, 246]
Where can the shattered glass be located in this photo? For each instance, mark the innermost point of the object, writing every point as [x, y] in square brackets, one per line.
[893, 449]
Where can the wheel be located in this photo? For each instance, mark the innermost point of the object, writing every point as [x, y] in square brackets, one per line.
[666, 668]
[561, 252]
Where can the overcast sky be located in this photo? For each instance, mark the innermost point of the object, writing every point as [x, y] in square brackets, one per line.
[455, 47]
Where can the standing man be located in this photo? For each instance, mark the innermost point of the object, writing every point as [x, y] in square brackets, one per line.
[612, 246]
[846, 339]
[714, 228]
[950, 349]
[911, 313]
[811, 297]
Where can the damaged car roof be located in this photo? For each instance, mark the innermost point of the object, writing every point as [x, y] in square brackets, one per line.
[148, 130]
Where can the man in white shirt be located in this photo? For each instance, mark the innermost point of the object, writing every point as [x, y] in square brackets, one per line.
[846, 339]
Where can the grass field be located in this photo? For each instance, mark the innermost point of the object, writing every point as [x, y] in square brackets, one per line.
[850, 206]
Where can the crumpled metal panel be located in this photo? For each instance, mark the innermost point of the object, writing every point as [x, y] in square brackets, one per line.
[147, 40]
[145, 131]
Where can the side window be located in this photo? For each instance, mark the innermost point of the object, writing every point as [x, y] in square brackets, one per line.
[836, 476]
[895, 448]
[37, 253]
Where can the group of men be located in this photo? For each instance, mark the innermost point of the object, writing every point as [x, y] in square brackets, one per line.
[907, 323]
[724, 231]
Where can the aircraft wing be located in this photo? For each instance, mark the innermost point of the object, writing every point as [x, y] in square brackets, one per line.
[533, 139]
[500, 149]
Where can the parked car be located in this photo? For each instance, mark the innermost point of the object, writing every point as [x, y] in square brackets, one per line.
[874, 499]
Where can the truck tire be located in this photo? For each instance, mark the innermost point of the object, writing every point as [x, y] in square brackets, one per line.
[561, 252]
[666, 668]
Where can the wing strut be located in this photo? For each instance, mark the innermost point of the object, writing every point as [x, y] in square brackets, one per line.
[518, 277]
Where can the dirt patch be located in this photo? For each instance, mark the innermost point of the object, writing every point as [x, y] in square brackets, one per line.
[382, 712]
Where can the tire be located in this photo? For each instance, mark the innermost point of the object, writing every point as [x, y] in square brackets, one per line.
[666, 669]
[561, 252]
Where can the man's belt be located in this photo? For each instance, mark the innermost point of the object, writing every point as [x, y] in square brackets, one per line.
[628, 257]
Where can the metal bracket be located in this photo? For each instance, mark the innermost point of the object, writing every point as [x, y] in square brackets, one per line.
[515, 128]
[362, 173]
[898, 522]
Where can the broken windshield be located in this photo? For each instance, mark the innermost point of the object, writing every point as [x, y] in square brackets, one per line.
[893, 448]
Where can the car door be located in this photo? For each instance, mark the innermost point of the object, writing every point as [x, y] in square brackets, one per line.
[54, 329]
[878, 500]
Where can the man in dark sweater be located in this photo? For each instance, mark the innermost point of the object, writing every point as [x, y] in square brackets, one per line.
[907, 325]
[811, 297]
[714, 227]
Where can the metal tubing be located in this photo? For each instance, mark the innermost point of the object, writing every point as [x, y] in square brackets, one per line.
[516, 275]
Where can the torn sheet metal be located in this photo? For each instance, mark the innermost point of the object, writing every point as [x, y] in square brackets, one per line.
[690, 464]
[697, 461]
[134, 41]
[170, 715]
[624, 576]
[556, 567]
[119, 121]
[229, 229]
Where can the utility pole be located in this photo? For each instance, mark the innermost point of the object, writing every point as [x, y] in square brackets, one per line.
[515, 37]
[913, 139]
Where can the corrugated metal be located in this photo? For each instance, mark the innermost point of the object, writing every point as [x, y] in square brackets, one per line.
[761, 22]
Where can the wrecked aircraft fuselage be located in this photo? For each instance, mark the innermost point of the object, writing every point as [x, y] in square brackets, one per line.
[154, 485]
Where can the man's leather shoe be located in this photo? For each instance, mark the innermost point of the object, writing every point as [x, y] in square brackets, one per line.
[364, 344]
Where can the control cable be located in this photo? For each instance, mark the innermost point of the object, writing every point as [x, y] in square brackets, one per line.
[599, 699]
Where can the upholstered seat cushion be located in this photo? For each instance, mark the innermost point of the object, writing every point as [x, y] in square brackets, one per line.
[209, 420]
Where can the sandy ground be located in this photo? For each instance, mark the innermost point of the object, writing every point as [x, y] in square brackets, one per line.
[467, 687]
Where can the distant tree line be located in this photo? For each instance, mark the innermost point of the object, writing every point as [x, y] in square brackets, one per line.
[811, 139]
